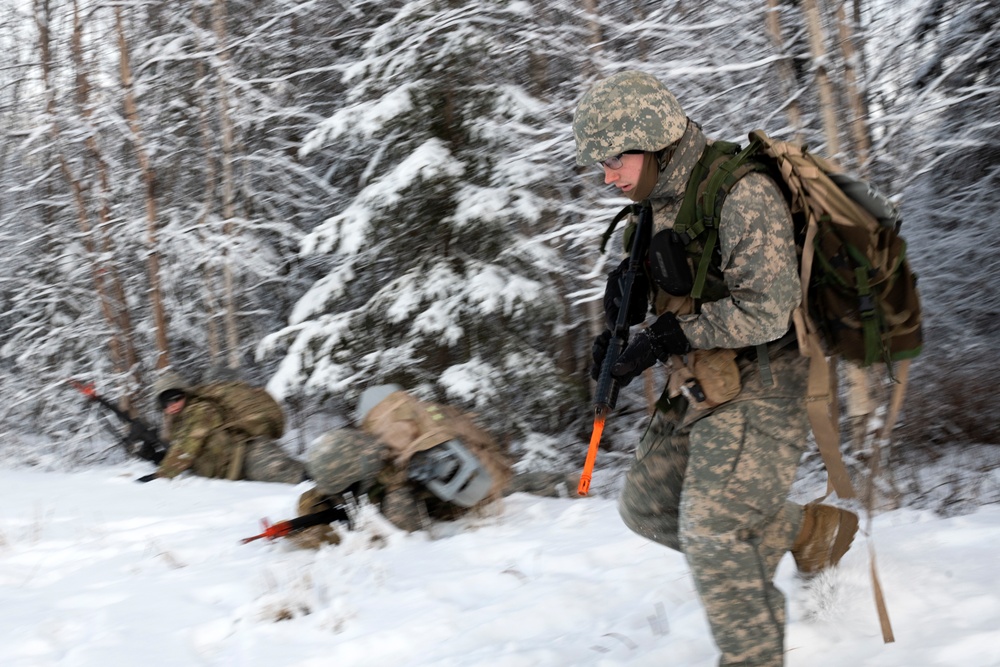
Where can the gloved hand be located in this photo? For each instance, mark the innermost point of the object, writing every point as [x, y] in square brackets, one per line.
[638, 302]
[656, 342]
[598, 351]
[148, 478]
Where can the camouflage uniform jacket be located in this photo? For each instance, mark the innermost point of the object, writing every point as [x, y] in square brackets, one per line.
[753, 287]
[205, 435]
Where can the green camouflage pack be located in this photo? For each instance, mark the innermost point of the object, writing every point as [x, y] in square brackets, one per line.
[245, 408]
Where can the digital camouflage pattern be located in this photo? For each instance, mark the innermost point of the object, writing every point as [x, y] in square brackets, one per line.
[714, 483]
[350, 460]
[344, 457]
[626, 111]
[228, 430]
[407, 425]
[751, 292]
[266, 461]
[714, 486]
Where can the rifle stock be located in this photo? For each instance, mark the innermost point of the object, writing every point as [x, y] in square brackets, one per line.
[606, 393]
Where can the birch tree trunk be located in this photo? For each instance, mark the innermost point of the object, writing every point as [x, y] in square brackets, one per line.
[786, 72]
[213, 336]
[827, 99]
[149, 179]
[228, 185]
[856, 103]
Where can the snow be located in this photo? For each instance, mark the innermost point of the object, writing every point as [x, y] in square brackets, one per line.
[97, 570]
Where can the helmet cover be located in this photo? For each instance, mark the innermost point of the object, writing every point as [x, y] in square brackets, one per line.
[626, 111]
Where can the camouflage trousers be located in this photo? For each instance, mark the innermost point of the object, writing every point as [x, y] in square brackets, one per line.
[715, 488]
[265, 461]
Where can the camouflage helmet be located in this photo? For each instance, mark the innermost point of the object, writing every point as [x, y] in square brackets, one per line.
[626, 111]
[337, 459]
[169, 381]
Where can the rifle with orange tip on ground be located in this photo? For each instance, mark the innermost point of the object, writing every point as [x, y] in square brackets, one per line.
[272, 531]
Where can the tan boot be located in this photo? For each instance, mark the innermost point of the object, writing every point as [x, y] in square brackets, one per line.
[825, 536]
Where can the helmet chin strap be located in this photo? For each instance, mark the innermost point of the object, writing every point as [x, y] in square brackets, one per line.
[647, 178]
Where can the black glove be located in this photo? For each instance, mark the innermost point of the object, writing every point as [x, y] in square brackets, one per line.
[148, 478]
[656, 342]
[638, 301]
[599, 350]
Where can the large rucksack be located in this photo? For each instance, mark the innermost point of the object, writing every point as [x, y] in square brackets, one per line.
[407, 426]
[859, 296]
[858, 288]
[246, 409]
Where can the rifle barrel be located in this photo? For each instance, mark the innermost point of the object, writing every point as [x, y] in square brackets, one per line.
[606, 393]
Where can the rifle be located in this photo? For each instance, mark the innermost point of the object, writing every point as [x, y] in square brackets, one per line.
[282, 528]
[152, 449]
[606, 395]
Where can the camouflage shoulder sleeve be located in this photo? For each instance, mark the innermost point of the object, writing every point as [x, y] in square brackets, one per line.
[188, 439]
[760, 266]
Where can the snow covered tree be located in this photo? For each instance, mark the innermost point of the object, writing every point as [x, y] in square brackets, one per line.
[436, 280]
[939, 91]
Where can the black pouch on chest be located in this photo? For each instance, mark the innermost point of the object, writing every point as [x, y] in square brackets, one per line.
[668, 263]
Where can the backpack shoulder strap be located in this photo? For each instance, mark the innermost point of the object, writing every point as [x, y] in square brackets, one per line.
[722, 166]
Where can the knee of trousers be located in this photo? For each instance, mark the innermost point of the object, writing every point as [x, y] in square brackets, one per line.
[658, 528]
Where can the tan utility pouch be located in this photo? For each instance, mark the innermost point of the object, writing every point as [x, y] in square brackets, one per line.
[708, 379]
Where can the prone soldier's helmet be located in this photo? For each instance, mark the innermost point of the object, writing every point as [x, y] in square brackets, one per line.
[337, 459]
[169, 386]
[626, 111]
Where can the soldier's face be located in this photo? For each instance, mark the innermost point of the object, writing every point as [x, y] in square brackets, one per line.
[174, 407]
[625, 177]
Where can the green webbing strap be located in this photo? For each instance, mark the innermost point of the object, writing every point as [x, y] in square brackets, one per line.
[704, 263]
[869, 322]
[764, 364]
[689, 224]
[720, 182]
[631, 208]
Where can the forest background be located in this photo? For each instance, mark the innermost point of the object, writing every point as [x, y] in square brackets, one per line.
[322, 195]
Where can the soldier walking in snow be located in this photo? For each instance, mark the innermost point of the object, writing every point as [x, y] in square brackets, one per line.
[225, 430]
[712, 474]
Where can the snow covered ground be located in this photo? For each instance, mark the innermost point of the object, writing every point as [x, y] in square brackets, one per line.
[97, 570]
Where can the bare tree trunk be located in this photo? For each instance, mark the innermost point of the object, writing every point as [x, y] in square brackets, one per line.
[786, 72]
[228, 186]
[119, 357]
[827, 98]
[596, 34]
[207, 144]
[115, 288]
[149, 178]
[857, 104]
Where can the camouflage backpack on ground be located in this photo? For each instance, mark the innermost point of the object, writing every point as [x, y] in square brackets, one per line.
[407, 426]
